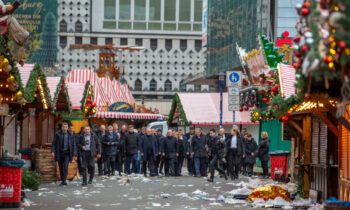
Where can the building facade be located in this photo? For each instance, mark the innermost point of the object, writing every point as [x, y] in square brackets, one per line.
[168, 30]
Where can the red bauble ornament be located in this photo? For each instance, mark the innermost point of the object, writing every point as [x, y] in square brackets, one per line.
[305, 12]
[275, 107]
[307, 97]
[288, 114]
[297, 39]
[285, 119]
[93, 105]
[241, 109]
[245, 108]
[251, 105]
[297, 54]
[306, 4]
[327, 59]
[245, 82]
[274, 89]
[265, 100]
[270, 103]
[342, 44]
[296, 65]
[305, 48]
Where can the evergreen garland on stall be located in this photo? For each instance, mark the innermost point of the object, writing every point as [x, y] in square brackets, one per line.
[177, 103]
[62, 88]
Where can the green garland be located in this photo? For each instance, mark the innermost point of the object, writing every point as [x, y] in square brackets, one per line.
[177, 102]
[86, 94]
[60, 85]
[31, 86]
[271, 52]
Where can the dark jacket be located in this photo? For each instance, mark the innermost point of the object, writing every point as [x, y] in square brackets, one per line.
[215, 146]
[263, 152]
[146, 142]
[76, 140]
[240, 145]
[109, 149]
[225, 138]
[57, 145]
[132, 142]
[95, 145]
[170, 147]
[185, 144]
[199, 146]
[121, 146]
[100, 137]
[250, 147]
[188, 135]
[159, 142]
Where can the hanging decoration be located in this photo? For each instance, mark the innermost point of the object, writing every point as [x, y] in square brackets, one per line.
[88, 105]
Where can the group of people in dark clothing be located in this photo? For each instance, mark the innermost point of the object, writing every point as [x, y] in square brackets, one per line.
[225, 152]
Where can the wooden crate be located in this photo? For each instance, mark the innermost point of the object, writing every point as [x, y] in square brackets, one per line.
[45, 165]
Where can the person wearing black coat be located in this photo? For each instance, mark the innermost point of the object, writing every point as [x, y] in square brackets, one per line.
[234, 150]
[224, 137]
[121, 149]
[110, 143]
[217, 150]
[160, 159]
[251, 151]
[199, 151]
[184, 150]
[132, 142]
[149, 152]
[76, 140]
[170, 151]
[263, 154]
[64, 150]
[100, 162]
[90, 147]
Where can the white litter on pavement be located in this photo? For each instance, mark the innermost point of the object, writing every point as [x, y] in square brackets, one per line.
[215, 204]
[278, 201]
[190, 185]
[198, 192]
[240, 191]
[43, 189]
[156, 204]
[234, 201]
[182, 195]
[77, 206]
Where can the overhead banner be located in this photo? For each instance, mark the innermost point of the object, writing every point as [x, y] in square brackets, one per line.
[39, 18]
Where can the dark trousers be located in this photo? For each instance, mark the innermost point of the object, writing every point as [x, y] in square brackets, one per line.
[190, 165]
[233, 161]
[63, 165]
[119, 161]
[149, 162]
[100, 165]
[243, 165]
[79, 163]
[170, 164]
[128, 159]
[200, 166]
[87, 165]
[160, 163]
[179, 163]
[249, 168]
[109, 164]
[215, 164]
[265, 167]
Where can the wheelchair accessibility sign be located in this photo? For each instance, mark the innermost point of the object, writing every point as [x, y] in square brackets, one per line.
[234, 79]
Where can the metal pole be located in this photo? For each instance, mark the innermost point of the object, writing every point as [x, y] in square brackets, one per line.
[234, 118]
[221, 83]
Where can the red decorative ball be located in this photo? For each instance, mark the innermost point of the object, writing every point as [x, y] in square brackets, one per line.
[296, 65]
[93, 105]
[285, 119]
[251, 105]
[306, 4]
[305, 12]
[342, 44]
[270, 103]
[274, 89]
[305, 48]
[288, 114]
[245, 108]
[297, 54]
[285, 34]
[241, 109]
[275, 107]
[327, 59]
[276, 86]
[265, 100]
[297, 39]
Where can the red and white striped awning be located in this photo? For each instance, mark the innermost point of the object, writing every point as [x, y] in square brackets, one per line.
[129, 116]
[75, 92]
[25, 71]
[52, 83]
[287, 80]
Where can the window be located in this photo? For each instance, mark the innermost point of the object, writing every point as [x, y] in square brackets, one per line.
[183, 45]
[198, 8]
[198, 45]
[197, 88]
[167, 85]
[153, 85]
[124, 9]
[138, 42]
[140, 10]
[123, 41]
[154, 44]
[78, 26]
[168, 44]
[63, 26]
[154, 10]
[93, 40]
[109, 9]
[185, 10]
[212, 88]
[138, 85]
[63, 41]
[183, 86]
[169, 10]
[78, 40]
[109, 40]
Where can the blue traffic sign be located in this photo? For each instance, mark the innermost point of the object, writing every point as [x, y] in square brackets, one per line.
[234, 77]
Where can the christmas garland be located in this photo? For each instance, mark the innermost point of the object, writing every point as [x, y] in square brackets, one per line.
[87, 103]
[177, 102]
[61, 87]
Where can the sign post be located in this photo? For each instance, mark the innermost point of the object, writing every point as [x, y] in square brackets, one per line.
[234, 84]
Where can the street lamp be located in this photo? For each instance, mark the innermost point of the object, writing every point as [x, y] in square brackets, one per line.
[221, 84]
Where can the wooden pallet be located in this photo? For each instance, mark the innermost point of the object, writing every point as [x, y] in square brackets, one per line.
[45, 165]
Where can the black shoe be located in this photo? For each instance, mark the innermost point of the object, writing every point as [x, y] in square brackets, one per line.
[210, 180]
[233, 178]
[84, 184]
[167, 175]
[145, 175]
[113, 173]
[120, 174]
[225, 177]
[63, 183]
[90, 181]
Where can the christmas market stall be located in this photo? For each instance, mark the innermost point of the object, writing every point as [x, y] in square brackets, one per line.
[203, 110]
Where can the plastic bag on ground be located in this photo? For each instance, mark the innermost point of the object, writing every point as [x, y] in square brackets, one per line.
[198, 192]
[241, 191]
[278, 202]
[235, 201]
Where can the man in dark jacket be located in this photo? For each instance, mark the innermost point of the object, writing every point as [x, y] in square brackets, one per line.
[110, 143]
[63, 150]
[160, 161]
[251, 151]
[100, 162]
[234, 152]
[224, 136]
[132, 142]
[217, 150]
[191, 133]
[184, 150]
[149, 151]
[200, 152]
[90, 147]
[170, 151]
[263, 154]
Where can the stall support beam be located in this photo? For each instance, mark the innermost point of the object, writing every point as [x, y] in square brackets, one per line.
[307, 151]
[330, 125]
